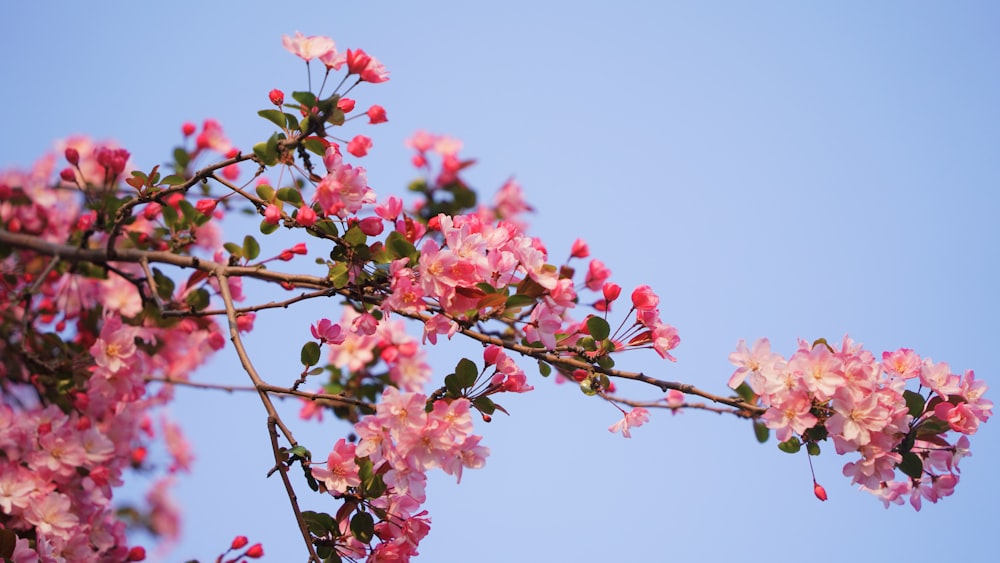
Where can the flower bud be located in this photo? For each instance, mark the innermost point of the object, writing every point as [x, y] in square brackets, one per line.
[72, 156]
[819, 491]
[137, 553]
[277, 97]
[206, 206]
[68, 175]
[376, 114]
[239, 542]
[188, 129]
[256, 551]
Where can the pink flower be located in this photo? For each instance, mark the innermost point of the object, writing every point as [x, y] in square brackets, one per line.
[307, 48]
[341, 470]
[634, 418]
[597, 274]
[332, 60]
[306, 216]
[272, 214]
[959, 417]
[643, 298]
[359, 146]
[376, 114]
[579, 249]
[328, 331]
[206, 206]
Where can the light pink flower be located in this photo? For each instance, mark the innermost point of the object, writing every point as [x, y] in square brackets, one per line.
[307, 48]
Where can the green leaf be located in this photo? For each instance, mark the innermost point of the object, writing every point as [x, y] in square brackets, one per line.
[182, 158]
[251, 249]
[305, 98]
[300, 452]
[745, 392]
[914, 403]
[266, 154]
[790, 446]
[517, 300]
[544, 369]
[197, 299]
[164, 285]
[173, 180]
[267, 228]
[355, 237]
[188, 210]
[399, 246]
[169, 216]
[291, 195]
[484, 404]
[234, 249]
[310, 353]
[598, 328]
[292, 121]
[588, 386]
[812, 448]
[319, 523]
[312, 145]
[466, 373]
[363, 526]
[265, 192]
[274, 116]
[911, 465]
[760, 431]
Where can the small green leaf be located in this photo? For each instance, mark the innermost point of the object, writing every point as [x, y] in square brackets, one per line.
[517, 300]
[812, 448]
[399, 246]
[914, 403]
[164, 285]
[745, 392]
[588, 387]
[790, 446]
[466, 373]
[267, 228]
[313, 145]
[182, 158]
[290, 195]
[355, 237]
[234, 249]
[265, 192]
[363, 526]
[173, 180]
[197, 299]
[319, 523]
[760, 431]
[307, 99]
[251, 249]
[310, 353]
[598, 328]
[274, 116]
[544, 369]
[484, 404]
[169, 216]
[300, 452]
[911, 465]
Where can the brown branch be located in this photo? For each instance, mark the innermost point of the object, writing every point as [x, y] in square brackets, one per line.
[662, 404]
[292, 497]
[320, 397]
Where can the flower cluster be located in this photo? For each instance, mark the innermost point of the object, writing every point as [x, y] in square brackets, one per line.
[864, 407]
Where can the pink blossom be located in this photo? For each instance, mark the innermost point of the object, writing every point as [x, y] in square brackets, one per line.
[376, 114]
[341, 471]
[791, 416]
[597, 274]
[307, 48]
[959, 417]
[206, 206]
[632, 419]
[327, 331]
[359, 145]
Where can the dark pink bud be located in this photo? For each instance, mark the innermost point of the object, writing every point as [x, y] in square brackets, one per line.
[72, 156]
[276, 96]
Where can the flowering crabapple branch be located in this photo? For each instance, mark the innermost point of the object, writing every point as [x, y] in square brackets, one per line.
[89, 319]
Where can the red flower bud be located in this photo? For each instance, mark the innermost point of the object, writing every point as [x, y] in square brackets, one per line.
[345, 105]
[239, 542]
[206, 206]
[819, 491]
[68, 175]
[137, 553]
[376, 114]
[276, 96]
[188, 129]
[72, 156]
[255, 551]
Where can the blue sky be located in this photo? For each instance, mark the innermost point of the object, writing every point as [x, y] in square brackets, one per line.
[771, 169]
